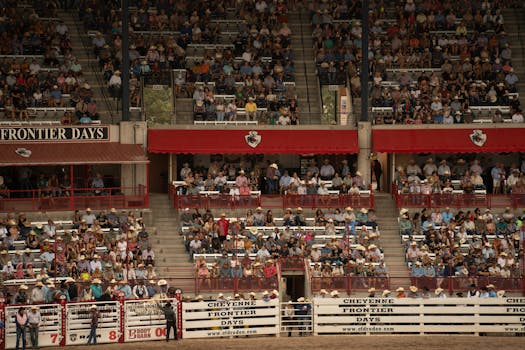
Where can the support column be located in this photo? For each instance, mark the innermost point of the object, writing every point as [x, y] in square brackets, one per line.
[125, 61]
[364, 136]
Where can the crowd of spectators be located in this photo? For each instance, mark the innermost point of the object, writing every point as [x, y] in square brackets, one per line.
[247, 247]
[242, 54]
[428, 65]
[445, 176]
[38, 68]
[77, 258]
[240, 178]
[337, 44]
[467, 55]
[465, 244]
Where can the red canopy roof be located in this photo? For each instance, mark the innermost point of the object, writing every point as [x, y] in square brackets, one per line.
[284, 141]
[464, 140]
[70, 153]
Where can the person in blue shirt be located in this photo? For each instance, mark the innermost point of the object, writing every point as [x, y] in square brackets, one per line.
[446, 215]
[50, 293]
[125, 289]
[96, 288]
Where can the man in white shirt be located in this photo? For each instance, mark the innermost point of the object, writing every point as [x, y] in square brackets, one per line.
[327, 171]
[61, 28]
[517, 117]
[95, 263]
[89, 217]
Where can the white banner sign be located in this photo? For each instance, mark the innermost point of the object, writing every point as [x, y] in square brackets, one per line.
[453, 315]
[230, 318]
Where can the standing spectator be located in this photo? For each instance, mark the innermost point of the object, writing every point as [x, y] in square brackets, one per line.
[21, 327]
[94, 324]
[34, 319]
[223, 224]
[496, 178]
[220, 109]
[251, 109]
[271, 178]
[98, 185]
[327, 171]
[231, 110]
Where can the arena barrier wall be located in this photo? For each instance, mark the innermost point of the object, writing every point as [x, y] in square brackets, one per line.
[144, 320]
[230, 318]
[78, 322]
[419, 316]
[50, 330]
[69, 323]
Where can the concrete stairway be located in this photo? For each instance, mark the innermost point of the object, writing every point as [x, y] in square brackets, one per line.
[391, 242]
[514, 26]
[171, 257]
[306, 82]
[107, 108]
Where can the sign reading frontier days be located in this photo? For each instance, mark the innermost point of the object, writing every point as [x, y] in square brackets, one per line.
[54, 134]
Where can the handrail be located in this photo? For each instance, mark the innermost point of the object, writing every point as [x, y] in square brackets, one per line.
[74, 198]
[459, 200]
[207, 201]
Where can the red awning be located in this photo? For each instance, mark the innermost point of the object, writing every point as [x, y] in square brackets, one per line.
[70, 153]
[249, 141]
[452, 140]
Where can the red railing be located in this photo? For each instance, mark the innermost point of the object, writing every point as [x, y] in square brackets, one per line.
[459, 200]
[450, 284]
[294, 263]
[349, 283]
[235, 285]
[270, 201]
[71, 199]
[461, 284]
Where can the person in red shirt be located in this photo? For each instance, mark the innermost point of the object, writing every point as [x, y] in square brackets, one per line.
[224, 226]
[270, 270]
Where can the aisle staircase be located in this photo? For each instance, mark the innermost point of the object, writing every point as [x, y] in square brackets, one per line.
[514, 26]
[172, 262]
[391, 242]
[81, 43]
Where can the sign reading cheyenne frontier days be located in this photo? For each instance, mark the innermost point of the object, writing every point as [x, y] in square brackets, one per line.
[407, 315]
[54, 133]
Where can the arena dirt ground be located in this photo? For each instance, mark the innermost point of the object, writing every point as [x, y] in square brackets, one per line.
[331, 342]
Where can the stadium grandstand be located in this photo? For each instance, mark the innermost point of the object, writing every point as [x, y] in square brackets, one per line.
[255, 150]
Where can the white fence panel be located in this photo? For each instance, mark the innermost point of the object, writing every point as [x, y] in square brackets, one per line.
[144, 320]
[453, 315]
[50, 330]
[78, 322]
[230, 318]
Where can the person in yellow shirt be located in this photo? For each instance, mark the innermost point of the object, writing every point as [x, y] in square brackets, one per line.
[251, 109]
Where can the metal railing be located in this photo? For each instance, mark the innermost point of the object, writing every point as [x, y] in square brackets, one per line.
[349, 284]
[73, 198]
[452, 284]
[463, 200]
[202, 201]
[234, 285]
